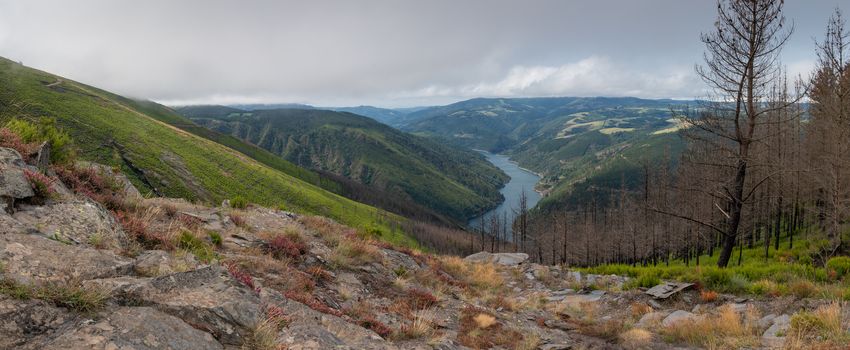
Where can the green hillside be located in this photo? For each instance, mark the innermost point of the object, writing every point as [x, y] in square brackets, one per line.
[161, 159]
[451, 181]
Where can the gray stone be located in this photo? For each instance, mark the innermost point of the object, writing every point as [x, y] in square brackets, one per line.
[207, 298]
[30, 259]
[556, 346]
[774, 337]
[24, 322]
[651, 319]
[678, 316]
[558, 324]
[79, 221]
[766, 321]
[14, 183]
[11, 157]
[158, 263]
[136, 328]
[506, 259]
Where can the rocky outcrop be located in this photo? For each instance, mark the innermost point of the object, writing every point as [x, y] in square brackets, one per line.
[506, 259]
[32, 259]
[135, 328]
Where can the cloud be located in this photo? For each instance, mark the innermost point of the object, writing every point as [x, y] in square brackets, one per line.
[591, 76]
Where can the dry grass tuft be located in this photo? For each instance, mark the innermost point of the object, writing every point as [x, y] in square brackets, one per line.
[822, 328]
[484, 320]
[725, 330]
[636, 338]
[640, 309]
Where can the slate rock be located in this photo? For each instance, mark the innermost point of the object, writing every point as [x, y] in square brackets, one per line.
[136, 328]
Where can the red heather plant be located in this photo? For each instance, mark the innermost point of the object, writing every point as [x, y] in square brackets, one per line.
[370, 322]
[41, 184]
[9, 139]
[311, 301]
[286, 246]
[242, 276]
[137, 228]
[421, 299]
[93, 184]
[189, 221]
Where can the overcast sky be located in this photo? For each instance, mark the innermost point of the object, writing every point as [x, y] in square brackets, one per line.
[386, 53]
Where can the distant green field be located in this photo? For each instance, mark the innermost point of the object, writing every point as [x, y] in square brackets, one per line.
[160, 158]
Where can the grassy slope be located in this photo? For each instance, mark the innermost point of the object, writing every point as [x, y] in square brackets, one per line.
[450, 181]
[107, 127]
[787, 271]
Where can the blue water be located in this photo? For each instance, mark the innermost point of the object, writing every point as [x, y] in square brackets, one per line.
[521, 181]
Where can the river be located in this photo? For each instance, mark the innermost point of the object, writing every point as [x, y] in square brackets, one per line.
[521, 180]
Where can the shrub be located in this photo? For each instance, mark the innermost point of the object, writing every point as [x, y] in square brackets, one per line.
[646, 280]
[737, 284]
[708, 296]
[41, 184]
[480, 330]
[352, 252]
[286, 246]
[241, 276]
[137, 228]
[715, 278]
[822, 324]
[92, 183]
[45, 130]
[635, 338]
[215, 238]
[421, 299]
[11, 140]
[239, 202]
[238, 221]
[839, 264]
[372, 323]
[802, 289]
[765, 287]
[188, 241]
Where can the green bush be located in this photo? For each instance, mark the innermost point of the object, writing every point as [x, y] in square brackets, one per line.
[61, 147]
[716, 279]
[239, 202]
[215, 238]
[197, 247]
[737, 284]
[839, 264]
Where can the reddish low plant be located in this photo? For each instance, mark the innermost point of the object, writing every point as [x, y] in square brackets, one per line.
[137, 228]
[319, 274]
[11, 140]
[285, 246]
[241, 276]
[42, 185]
[420, 299]
[370, 322]
[311, 301]
[237, 220]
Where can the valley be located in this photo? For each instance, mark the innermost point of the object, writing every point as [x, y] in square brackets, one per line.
[521, 183]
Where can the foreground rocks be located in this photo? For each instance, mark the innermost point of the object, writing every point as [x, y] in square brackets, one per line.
[258, 278]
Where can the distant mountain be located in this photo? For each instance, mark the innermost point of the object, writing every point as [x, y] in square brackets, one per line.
[452, 181]
[383, 115]
[579, 144]
[258, 106]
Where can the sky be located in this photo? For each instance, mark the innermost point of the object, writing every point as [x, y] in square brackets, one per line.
[391, 53]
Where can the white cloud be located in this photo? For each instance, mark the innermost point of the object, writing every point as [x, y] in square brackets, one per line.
[592, 76]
